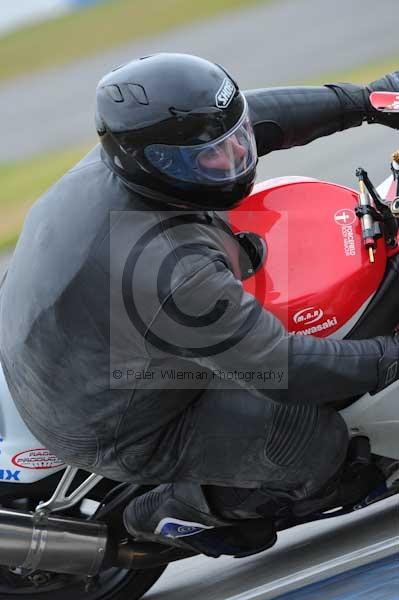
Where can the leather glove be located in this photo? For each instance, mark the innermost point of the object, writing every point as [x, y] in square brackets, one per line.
[356, 106]
[388, 365]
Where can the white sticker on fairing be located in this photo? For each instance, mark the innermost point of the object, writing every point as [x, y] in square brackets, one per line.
[345, 218]
[38, 458]
[349, 240]
[308, 315]
[327, 324]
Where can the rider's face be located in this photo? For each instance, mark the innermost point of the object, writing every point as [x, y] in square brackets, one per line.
[223, 157]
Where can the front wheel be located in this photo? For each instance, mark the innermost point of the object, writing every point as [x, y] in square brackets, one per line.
[112, 584]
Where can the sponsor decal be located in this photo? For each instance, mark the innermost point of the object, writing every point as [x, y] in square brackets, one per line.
[38, 458]
[308, 315]
[327, 324]
[173, 528]
[345, 216]
[7, 475]
[349, 240]
[225, 93]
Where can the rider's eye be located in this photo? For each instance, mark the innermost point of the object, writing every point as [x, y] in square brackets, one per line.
[210, 153]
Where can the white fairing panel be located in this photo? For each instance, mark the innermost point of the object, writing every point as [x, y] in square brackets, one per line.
[387, 189]
[22, 457]
[377, 417]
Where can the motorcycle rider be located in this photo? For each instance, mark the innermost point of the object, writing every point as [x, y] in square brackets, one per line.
[179, 145]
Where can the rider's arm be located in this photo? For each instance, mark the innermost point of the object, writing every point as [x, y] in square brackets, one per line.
[294, 116]
[230, 332]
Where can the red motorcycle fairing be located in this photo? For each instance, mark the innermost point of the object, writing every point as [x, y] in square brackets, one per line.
[317, 277]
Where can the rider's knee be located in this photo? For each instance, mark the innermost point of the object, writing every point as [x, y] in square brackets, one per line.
[309, 444]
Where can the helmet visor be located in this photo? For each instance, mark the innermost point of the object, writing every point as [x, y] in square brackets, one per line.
[222, 160]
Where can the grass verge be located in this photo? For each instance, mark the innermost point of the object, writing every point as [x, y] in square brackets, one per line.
[24, 181]
[361, 75]
[95, 28]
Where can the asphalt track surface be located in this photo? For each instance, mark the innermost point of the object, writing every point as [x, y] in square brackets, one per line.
[300, 554]
[289, 41]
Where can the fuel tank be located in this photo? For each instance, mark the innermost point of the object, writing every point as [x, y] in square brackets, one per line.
[317, 277]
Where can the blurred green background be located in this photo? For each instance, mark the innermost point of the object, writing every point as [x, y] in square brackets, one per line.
[81, 33]
[59, 41]
[41, 50]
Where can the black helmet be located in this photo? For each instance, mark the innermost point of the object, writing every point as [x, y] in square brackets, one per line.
[178, 125]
